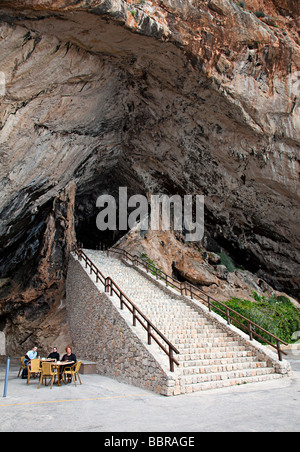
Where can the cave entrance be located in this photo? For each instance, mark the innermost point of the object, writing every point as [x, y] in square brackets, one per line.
[90, 237]
[86, 210]
[87, 232]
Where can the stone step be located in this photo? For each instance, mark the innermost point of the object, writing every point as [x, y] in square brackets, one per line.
[204, 350]
[233, 354]
[226, 375]
[187, 337]
[224, 346]
[228, 367]
[216, 384]
[171, 309]
[216, 361]
[194, 338]
[178, 326]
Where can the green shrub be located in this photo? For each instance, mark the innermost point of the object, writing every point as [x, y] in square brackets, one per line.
[151, 263]
[276, 315]
[227, 261]
[259, 14]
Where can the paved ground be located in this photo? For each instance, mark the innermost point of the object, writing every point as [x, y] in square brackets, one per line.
[104, 405]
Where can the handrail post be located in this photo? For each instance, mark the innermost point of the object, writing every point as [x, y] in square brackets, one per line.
[134, 316]
[279, 350]
[228, 316]
[250, 331]
[209, 304]
[171, 359]
[149, 333]
[121, 301]
[106, 286]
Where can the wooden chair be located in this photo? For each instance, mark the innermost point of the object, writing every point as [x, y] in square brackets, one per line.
[72, 372]
[22, 366]
[48, 371]
[34, 368]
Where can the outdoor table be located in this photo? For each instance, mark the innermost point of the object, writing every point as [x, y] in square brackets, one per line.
[59, 365]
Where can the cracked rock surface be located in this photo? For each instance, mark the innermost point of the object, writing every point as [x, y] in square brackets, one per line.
[187, 97]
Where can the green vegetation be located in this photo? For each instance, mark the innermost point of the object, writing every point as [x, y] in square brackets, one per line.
[275, 314]
[259, 14]
[151, 263]
[227, 261]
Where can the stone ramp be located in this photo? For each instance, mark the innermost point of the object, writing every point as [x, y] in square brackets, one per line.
[104, 334]
[211, 354]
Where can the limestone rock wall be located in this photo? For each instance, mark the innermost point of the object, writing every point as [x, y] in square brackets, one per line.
[176, 97]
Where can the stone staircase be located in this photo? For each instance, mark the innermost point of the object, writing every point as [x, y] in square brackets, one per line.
[211, 356]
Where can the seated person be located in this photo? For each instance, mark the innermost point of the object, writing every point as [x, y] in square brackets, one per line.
[69, 356]
[31, 354]
[54, 354]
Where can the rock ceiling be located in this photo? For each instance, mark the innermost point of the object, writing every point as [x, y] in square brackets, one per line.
[180, 97]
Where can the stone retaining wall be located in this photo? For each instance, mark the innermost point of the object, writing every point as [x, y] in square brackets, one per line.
[101, 334]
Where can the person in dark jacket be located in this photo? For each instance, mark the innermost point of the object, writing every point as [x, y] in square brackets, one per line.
[69, 356]
[54, 354]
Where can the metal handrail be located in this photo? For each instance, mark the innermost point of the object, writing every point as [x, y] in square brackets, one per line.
[112, 288]
[194, 292]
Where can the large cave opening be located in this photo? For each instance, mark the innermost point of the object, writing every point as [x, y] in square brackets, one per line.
[110, 108]
[105, 184]
[88, 233]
